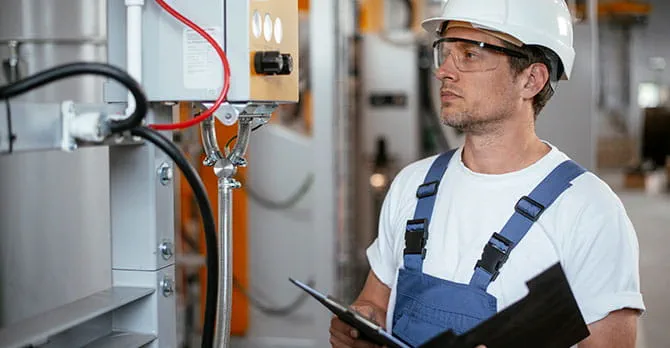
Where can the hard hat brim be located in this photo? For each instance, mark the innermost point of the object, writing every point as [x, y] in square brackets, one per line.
[432, 25]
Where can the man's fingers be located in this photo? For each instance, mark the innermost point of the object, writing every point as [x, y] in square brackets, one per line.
[342, 336]
[337, 343]
[339, 325]
[364, 344]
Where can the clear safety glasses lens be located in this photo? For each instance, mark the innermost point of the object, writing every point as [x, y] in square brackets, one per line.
[468, 55]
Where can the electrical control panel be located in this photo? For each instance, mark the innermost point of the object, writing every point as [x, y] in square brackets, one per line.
[259, 37]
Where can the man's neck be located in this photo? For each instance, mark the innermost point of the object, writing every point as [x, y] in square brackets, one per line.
[510, 147]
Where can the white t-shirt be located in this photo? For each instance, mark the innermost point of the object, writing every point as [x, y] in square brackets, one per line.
[586, 229]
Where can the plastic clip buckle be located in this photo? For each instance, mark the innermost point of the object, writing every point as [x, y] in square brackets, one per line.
[416, 236]
[493, 257]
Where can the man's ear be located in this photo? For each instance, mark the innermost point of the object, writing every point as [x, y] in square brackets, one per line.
[536, 77]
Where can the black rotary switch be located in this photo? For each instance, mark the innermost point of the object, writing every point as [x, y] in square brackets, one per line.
[273, 63]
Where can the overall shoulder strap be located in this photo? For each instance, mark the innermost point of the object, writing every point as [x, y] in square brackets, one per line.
[416, 230]
[526, 212]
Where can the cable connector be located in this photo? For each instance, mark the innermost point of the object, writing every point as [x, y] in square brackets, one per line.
[87, 127]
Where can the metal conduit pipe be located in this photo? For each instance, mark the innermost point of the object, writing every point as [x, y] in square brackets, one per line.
[225, 169]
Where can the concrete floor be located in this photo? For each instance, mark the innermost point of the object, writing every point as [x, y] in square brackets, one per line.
[650, 214]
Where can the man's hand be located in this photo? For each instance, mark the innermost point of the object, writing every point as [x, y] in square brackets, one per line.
[344, 336]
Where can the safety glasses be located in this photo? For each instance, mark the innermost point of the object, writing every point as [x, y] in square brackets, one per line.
[470, 55]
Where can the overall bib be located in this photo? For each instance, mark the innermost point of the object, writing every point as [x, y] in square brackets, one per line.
[427, 306]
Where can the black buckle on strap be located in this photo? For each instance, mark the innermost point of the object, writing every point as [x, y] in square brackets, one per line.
[428, 189]
[532, 209]
[416, 236]
[493, 257]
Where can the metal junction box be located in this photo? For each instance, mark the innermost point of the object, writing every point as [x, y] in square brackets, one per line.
[260, 38]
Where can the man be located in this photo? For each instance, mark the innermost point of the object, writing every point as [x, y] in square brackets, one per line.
[437, 263]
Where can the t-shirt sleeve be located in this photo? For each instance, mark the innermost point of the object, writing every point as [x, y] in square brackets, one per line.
[382, 254]
[602, 260]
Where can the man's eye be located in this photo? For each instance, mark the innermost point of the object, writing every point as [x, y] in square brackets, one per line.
[471, 55]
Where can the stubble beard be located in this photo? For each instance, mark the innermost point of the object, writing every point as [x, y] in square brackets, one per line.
[468, 123]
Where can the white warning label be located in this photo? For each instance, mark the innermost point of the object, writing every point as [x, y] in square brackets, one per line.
[202, 66]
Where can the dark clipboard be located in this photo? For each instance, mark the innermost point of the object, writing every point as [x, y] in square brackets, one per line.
[369, 330]
[547, 317]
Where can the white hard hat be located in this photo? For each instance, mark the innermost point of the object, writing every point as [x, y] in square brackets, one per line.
[545, 23]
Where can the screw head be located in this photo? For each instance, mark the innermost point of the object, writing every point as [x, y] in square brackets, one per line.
[167, 286]
[165, 173]
[167, 250]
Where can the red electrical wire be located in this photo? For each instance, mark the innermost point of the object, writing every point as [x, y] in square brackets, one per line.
[226, 73]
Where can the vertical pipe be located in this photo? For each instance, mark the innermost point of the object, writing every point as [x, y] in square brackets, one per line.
[326, 88]
[134, 45]
[342, 144]
[225, 169]
[225, 298]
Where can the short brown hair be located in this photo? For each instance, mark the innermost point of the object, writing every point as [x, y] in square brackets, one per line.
[535, 55]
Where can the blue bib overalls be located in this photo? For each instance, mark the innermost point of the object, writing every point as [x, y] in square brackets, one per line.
[426, 305]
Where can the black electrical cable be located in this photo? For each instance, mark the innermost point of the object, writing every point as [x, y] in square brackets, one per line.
[10, 130]
[133, 123]
[235, 136]
[68, 70]
[207, 219]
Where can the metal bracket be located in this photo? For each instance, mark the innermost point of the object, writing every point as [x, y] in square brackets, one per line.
[229, 114]
[68, 114]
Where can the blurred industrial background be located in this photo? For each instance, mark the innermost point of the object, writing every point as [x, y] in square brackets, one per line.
[319, 170]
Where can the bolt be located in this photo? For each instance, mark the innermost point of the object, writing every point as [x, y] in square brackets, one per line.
[234, 184]
[209, 161]
[167, 286]
[240, 162]
[165, 173]
[167, 250]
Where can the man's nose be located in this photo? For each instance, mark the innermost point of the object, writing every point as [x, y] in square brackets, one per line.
[448, 69]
